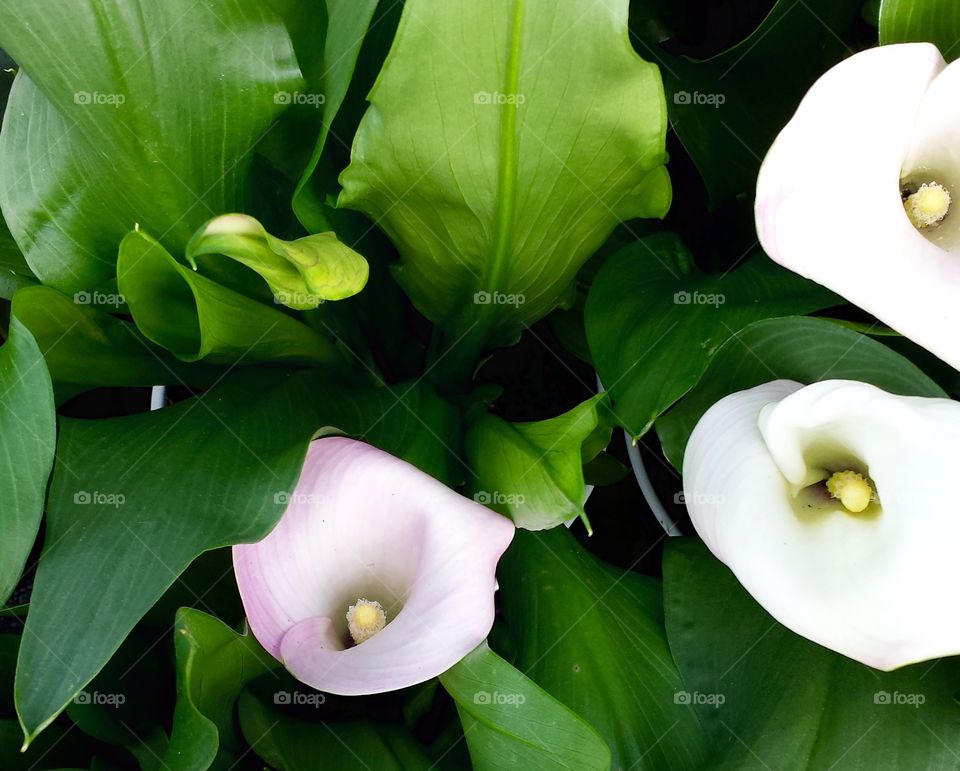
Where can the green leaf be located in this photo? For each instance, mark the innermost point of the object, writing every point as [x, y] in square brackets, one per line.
[347, 26]
[14, 271]
[772, 699]
[83, 345]
[27, 441]
[727, 110]
[651, 311]
[802, 349]
[592, 636]
[196, 318]
[494, 194]
[509, 722]
[301, 274]
[135, 499]
[533, 472]
[912, 21]
[289, 744]
[132, 112]
[214, 663]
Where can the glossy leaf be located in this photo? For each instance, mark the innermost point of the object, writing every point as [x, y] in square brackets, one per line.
[194, 317]
[27, 441]
[510, 722]
[654, 321]
[134, 500]
[803, 349]
[347, 25]
[592, 636]
[14, 271]
[931, 21]
[82, 344]
[533, 472]
[727, 110]
[502, 145]
[771, 699]
[118, 118]
[301, 274]
[291, 744]
[214, 663]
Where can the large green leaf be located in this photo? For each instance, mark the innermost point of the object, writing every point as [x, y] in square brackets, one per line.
[14, 271]
[533, 472]
[135, 499]
[727, 110]
[509, 722]
[651, 311]
[803, 349]
[27, 441]
[194, 317]
[933, 21]
[84, 345]
[592, 636]
[772, 699]
[132, 111]
[504, 141]
[214, 663]
[291, 744]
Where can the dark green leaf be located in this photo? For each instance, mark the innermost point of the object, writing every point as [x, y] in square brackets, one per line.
[509, 722]
[592, 636]
[289, 744]
[84, 345]
[27, 440]
[727, 110]
[801, 349]
[772, 699]
[134, 111]
[134, 500]
[654, 321]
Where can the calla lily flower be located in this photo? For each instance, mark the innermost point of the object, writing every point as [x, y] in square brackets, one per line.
[377, 576]
[860, 190]
[834, 506]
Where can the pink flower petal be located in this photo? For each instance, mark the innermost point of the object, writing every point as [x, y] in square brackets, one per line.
[363, 524]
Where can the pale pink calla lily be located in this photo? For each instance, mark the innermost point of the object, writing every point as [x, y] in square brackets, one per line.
[834, 506]
[365, 528]
[830, 195]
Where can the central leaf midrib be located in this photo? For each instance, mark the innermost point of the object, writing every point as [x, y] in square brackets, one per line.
[508, 161]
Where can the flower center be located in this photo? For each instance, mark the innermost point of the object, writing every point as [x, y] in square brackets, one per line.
[928, 205]
[365, 619]
[852, 489]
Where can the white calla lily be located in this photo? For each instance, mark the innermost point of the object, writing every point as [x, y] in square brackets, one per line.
[869, 571]
[861, 190]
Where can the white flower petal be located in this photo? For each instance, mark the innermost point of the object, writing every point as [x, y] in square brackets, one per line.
[363, 524]
[878, 587]
[828, 196]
